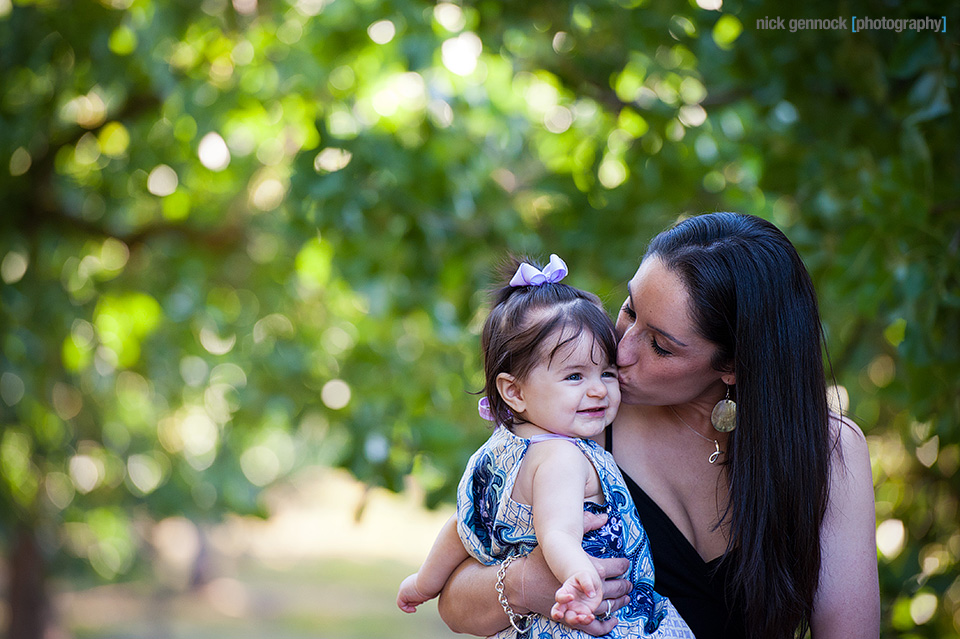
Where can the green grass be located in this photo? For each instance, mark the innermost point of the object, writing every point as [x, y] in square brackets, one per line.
[318, 599]
[331, 574]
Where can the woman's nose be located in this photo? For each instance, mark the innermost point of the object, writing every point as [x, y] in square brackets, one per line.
[627, 348]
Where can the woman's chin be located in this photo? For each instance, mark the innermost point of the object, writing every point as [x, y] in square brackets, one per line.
[627, 397]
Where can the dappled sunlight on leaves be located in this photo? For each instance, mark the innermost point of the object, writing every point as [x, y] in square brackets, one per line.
[243, 238]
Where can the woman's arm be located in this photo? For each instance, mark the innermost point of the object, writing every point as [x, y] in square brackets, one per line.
[469, 604]
[847, 604]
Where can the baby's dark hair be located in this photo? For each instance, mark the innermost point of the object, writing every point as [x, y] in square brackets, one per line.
[516, 337]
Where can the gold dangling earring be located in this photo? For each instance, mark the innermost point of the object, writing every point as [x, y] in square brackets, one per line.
[724, 415]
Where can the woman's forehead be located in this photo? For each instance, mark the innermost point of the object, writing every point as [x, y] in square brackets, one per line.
[661, 296]
[654, 278]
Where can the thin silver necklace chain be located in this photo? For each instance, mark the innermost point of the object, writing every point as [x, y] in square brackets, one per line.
[714, 456]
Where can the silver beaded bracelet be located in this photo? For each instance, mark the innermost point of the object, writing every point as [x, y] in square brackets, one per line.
[515, 619]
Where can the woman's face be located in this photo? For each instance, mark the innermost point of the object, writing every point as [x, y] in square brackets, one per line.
[662, 359]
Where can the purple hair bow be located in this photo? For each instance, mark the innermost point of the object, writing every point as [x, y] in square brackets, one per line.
[529, 275]
[483, 407]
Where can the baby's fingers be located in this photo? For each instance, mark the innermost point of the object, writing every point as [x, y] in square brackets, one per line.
[570, 617]
[587, 586]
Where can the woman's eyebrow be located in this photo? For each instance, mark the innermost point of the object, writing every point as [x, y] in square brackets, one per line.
[656, 328]
[667, 335]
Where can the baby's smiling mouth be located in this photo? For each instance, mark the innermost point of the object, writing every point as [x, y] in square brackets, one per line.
[593, 411]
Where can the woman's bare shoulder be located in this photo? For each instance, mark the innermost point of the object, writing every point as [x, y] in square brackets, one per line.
[847, 439]
[851, 476]
[845, 426]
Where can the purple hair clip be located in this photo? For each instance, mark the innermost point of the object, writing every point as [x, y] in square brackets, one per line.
[484, 409]
[530, 275]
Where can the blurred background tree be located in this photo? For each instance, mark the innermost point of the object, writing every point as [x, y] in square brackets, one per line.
[240, 238]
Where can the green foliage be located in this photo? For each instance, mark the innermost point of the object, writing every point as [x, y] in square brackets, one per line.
[243, 238]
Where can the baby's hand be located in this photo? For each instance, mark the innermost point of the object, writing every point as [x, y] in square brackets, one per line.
[409, 596]
[577, 598]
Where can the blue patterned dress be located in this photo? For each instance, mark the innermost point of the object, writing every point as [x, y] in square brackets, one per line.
[493, 527]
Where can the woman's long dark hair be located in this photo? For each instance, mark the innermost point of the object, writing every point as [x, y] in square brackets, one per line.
[752, 297]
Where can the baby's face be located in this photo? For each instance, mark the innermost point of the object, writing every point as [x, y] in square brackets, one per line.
[577, 394]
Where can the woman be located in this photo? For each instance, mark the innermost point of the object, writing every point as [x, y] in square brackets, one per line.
[762, 531]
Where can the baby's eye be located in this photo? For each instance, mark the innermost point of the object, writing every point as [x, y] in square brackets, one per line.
[629, 312]
[575, 377]
[610, 374]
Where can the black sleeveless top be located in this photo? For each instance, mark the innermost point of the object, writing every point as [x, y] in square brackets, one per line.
[698, 589]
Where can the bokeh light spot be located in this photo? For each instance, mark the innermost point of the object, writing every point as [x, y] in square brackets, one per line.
[891, 537]
[85, 473]
[213, 152]
[12, 388]
[332, 159]
[461, 54]
[449, 16]
[335, 394]
[13, 267]
[20, 161]
[145, 472]
[162, 181]
[923, 607]
[382, 31]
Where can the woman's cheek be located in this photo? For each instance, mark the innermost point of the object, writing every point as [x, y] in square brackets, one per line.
[628, 375]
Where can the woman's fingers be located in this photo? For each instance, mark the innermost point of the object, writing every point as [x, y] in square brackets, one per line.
[612, 568]
[604, 622]
[599, 627]
[616, 603]
[616, 588]
[593, 521]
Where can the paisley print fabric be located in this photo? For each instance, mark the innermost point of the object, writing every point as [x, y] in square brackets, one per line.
[493, 527]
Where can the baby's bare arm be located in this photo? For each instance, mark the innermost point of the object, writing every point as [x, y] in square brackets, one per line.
[444, 557]
[561, 476]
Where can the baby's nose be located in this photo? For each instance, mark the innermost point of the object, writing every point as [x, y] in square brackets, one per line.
[597, 388]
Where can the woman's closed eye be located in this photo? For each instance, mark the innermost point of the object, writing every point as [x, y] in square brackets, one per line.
[629, 312]
[659, 350]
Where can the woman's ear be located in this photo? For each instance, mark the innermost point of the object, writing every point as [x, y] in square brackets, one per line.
[730, 379]
[511, 392]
